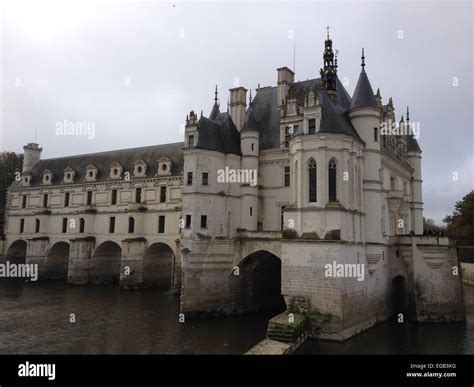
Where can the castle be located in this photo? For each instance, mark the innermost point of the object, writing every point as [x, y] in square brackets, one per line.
[316, 182]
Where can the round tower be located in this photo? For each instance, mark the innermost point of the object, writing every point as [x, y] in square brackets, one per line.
[32, 154]
[249, 143]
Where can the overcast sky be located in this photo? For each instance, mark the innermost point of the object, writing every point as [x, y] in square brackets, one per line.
[135, 69]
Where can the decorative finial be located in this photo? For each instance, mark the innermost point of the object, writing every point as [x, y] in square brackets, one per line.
[335, 59]
[363, 57]
[215, 95]
[250, 98]
[408, 114]
[327, 28]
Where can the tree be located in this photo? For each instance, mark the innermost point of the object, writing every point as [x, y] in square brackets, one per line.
[461, 222]
[10, 164]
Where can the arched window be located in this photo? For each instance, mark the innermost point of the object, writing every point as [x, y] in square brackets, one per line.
[37, 225]
[82, 225]
[131, 225]
[312, 180]
[332, 173]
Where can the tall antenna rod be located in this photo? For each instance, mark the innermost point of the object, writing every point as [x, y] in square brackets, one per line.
[36, 134]
[294, 58]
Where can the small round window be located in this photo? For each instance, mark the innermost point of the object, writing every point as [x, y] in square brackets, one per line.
[140, 169]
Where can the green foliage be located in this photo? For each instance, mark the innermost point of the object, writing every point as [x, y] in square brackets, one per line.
[10, 163]
[310, 235]
[333, 235]
[461, 222]
[289, 234]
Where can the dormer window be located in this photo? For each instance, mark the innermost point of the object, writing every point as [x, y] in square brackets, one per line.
[164, 166]
[26, 179]
[140, 168]
[69, 175]
[91, 172]
[116, 171]
[47, 177]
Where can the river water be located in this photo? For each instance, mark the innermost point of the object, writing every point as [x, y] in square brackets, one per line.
[35, 318]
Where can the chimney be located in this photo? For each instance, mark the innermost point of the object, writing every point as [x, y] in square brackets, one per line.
[32, 154]
[286, 78]
[238, 105]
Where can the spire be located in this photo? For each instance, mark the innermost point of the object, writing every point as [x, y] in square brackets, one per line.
[215, 109]
[363, 94]
[329, 71]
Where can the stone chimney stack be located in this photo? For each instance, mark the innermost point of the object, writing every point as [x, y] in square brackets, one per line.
[238, 106]
[286, 78]
[32, 154]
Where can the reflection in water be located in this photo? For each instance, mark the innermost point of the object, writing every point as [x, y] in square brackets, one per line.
[34, 318]
[393, 338]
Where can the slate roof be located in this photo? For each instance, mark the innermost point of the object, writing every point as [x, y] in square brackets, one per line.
[219, 135]
[363, 93]
[266, 114]
[103, 161]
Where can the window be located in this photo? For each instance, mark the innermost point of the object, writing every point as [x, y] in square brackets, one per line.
[23, 201]
[252, 146]
[45, 200]
[66, 199]
[203, 221]
[282, 222]
[191, 142]
[312, 126]
[376, 134]
[112, 224]
[205, 178]
[288, 132]
[138, 195]
[161, 224]
[131, 225]
[312, 180]
[188, 221]
[162, 194]
[392, 182]
[22, 225]
[113, 200]
[64, 227]
[332, 173]
[37, 225]
[287, 176]
[190, 178]
[82, 225]
[251, 211]
[89, 198]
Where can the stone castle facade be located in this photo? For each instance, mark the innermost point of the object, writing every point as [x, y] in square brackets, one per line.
[330, 187]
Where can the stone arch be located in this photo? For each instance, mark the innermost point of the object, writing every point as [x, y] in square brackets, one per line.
[398, 300]
[158, 265]
[57, 261]
[105, 263]
[260, 273]
[16, 253]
